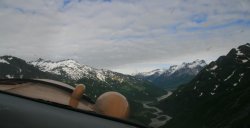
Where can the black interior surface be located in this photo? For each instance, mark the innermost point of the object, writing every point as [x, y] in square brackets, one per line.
[18, 112]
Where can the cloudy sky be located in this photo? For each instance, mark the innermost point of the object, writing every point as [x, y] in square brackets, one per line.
[123, 35]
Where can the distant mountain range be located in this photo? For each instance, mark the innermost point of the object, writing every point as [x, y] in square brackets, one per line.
[70, 71]
[174, 76]
[218, 97]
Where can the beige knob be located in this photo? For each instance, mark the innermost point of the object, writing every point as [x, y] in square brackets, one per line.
[76, 95]
[112, 104]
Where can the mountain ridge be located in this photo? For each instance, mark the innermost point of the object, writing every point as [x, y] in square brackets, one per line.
[14, 67]
[174, 76]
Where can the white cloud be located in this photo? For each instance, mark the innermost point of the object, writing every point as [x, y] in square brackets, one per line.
[122, 34]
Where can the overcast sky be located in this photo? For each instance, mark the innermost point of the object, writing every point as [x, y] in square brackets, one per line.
[123, 35]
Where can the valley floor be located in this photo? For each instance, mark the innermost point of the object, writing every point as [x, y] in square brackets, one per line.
[160, 119]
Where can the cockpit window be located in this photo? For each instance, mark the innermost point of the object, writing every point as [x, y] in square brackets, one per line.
[160, 63]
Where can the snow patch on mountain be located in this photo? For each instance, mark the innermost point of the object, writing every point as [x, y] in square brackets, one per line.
[153, 72]
[10, 58]
[216, 86]
[239, 53]
[214, 67]
[235, 84]
[9, 76]
[4, 61]
[230, 76]
[241, 76]
[200, 94]
[196, 63]
[100, 76]
[244, 61]
[194, 88]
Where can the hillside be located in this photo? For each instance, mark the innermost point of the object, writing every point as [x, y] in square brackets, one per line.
[217, 97]
[13, 67]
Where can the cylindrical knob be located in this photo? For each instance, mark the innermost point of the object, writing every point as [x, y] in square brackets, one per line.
[76, 95]
[112, 104]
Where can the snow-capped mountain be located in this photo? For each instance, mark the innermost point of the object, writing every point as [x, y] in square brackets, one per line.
[175, 68]
[71, 69]
[173, 76]
[217, 97]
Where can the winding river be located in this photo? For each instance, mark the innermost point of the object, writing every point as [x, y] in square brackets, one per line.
[160, 118]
